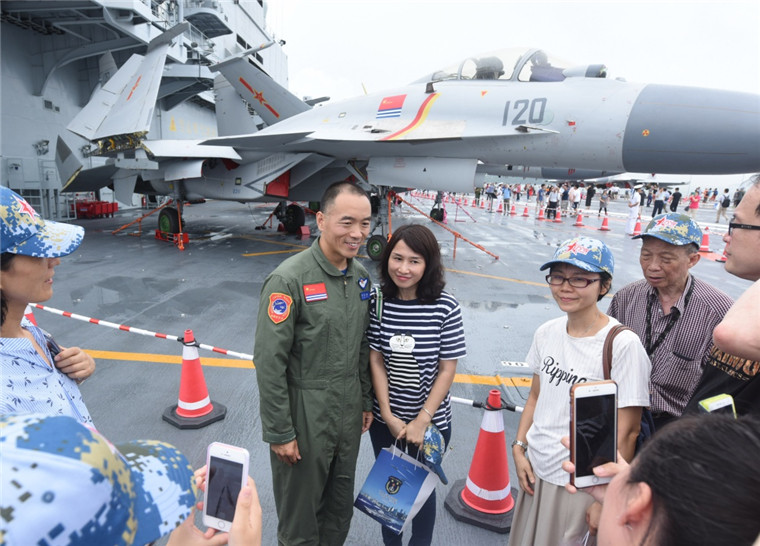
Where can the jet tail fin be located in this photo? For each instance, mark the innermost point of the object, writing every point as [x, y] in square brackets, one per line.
[68, 164]
[232, 114]
[125, 104]
[270, 100]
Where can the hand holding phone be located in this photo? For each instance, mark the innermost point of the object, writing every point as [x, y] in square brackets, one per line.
[593, 430]
[227, 473]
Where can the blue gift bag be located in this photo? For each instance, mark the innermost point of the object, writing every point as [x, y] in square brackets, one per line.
[395, 489]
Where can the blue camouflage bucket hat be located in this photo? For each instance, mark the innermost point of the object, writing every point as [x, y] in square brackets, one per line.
[584, 252]
[23, 231]
[674, 228]
[63, 483]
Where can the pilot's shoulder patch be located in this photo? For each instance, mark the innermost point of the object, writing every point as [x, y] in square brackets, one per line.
[279, 307]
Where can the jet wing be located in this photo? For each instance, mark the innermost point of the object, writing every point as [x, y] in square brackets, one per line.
[271, 101]
[257, 141]
[124, 105]
[188, 149]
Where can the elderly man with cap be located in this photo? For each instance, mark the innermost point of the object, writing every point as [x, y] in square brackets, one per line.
[672, 312]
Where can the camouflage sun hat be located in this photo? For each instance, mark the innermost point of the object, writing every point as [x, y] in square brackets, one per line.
[433, 448]
[23, 231]
[586, 253]
[674, 228]
[63, 483]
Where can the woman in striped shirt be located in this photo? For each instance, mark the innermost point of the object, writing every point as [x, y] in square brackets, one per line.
[416, 336]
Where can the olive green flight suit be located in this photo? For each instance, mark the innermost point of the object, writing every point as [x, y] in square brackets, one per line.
[312, 368]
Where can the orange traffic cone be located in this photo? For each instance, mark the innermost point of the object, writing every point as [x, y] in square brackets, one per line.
[501, 207]
[483, 204]
[723, 258]
[194, 408]
[513, 210]
[605, 225]
[485, 498]
[558, 216]
[525, 212]
[540, 214]
[705, 247]
[579, 219]
[29, 315]
[637, 227]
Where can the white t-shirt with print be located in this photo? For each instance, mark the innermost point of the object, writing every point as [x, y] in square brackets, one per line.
[560, 361]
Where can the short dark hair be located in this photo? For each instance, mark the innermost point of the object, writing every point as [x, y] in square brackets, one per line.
[336, 188]
[756, 183]
[698, 499]
[422, 241]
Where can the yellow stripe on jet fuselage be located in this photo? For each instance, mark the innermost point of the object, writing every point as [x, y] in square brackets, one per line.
[418, 120]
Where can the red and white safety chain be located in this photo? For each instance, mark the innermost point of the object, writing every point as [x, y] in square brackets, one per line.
[137, 330]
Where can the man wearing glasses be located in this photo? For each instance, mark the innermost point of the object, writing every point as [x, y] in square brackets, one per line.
[672, 312]
[734, 364]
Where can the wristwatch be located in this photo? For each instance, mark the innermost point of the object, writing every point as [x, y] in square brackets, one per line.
[521, 444]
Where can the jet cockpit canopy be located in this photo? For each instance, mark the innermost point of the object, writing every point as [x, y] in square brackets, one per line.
[515, 64]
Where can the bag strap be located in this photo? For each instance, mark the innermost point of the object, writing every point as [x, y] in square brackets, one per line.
[607, 349]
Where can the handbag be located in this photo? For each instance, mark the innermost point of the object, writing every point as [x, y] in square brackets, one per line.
[395, 489]
[647, 423]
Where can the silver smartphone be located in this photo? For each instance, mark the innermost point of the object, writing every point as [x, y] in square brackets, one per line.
[593, 430]
[226, 474]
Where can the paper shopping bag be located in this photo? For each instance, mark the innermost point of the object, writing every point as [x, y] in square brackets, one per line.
[395, 489]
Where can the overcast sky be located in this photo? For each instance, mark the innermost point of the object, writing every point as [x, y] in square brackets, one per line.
[335, 47]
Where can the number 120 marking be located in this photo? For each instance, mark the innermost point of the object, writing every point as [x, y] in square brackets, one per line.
[535, 110]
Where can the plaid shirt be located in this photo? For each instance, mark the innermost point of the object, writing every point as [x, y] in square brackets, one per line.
[678, 361]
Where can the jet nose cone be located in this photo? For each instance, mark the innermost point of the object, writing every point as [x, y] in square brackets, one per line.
[688, 130]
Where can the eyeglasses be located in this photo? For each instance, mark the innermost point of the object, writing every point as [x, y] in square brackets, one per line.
[575, 282]
[732, 226]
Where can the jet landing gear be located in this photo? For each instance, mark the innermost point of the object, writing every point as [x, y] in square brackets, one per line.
[375, 246]
[168, 220]
[293, 218]
[381, 207]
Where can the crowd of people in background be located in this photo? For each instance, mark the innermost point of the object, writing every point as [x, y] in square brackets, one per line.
[566, 197]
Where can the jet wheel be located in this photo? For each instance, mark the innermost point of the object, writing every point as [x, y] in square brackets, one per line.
[168, 220]
[294, 218]
[375, 246]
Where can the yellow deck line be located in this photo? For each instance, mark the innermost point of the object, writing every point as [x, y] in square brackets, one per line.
[238, 363]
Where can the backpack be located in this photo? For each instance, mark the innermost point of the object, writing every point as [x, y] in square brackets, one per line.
[725, 201]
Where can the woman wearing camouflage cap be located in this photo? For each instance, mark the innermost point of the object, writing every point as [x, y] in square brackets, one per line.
[565, 351]
[38, 375]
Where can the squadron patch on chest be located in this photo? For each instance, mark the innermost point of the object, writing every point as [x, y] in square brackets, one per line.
[279, 307]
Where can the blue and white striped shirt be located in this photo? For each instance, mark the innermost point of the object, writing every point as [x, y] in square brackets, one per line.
[413, 337]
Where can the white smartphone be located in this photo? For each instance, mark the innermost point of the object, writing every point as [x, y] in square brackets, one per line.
[227, 473]
[593, 430]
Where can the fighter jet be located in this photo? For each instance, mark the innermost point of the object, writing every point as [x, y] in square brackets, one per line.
[478, 115]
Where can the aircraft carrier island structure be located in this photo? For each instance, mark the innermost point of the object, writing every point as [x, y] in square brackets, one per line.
[56, 54]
